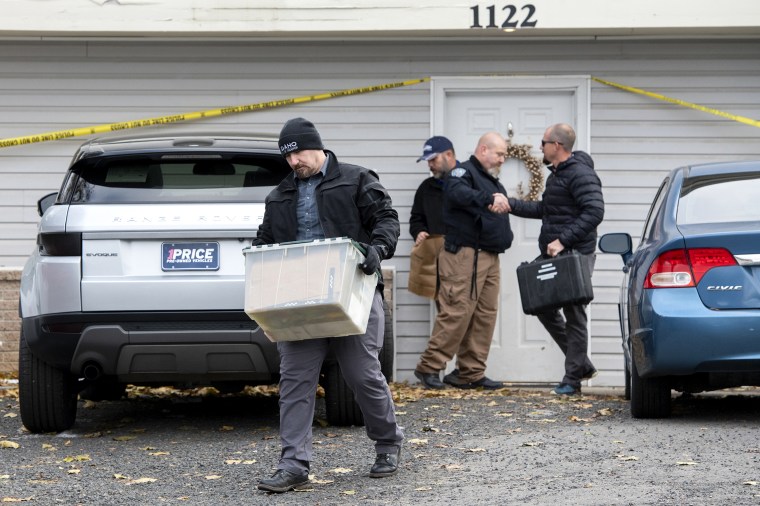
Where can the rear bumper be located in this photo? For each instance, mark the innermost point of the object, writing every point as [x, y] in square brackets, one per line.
[677, 335]
[197, 347]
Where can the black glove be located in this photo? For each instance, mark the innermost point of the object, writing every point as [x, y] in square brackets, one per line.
[372, 259]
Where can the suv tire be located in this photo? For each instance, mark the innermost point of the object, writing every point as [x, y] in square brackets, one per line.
[340, 405]
[47, 395]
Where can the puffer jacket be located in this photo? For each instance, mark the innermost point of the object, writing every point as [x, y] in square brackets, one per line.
[571, 208]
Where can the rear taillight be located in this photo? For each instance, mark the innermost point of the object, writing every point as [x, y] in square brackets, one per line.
[704, 259]
[60, 244]
[684, 268]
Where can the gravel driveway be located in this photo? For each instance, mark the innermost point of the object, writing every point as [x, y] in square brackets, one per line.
[513, 446]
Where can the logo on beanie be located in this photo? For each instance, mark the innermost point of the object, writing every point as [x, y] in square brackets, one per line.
[290, 146]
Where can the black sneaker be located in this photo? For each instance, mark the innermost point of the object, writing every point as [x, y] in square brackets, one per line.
[484, 382]
[452, 378]
[430, 380]
[386, 464]
[283, 481]
[591, 373]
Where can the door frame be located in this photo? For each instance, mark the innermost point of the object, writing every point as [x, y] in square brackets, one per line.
[578, 85]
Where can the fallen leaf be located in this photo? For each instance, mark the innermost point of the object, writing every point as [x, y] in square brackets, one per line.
[475, 450]
[142, 480]
[349, 492]
[533, 443]
[74, 471]
[46, 446]
[147, 448]
[492, 403]
[91, 435]
[685, 463]
[320, 482]
[502, 413]
[88, 404]
[605, 412]
[418, 441]
[120, 477]
[226, 428]
[124, 438]
[5, 476]
[213, 477]
[9, 444]
[232, 461]
[574, 418]
[341, 470]
[751, 483]
[157, 454]
[17, 499]
[10, 415]
[423, 489]
[77, 458]
[619, 442]
[451, 467]
[626, 458]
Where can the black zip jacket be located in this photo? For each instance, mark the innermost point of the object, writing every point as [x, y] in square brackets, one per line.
[468, 193]
[351, 201]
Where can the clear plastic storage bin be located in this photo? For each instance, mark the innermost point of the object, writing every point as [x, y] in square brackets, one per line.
[306, 290]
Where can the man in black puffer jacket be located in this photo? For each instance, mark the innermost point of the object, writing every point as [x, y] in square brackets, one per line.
[571, 209]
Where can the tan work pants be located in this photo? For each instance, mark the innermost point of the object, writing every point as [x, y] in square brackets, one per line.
[466, 318]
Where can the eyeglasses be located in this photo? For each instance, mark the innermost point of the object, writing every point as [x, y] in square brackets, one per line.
[544, 143]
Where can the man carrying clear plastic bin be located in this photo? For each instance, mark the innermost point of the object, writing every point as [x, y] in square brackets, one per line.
[325, 198]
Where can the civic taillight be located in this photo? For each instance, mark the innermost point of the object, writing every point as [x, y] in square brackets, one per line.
[682, 268]
[704, 259]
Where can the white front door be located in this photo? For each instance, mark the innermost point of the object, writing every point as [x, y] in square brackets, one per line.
[522, 351]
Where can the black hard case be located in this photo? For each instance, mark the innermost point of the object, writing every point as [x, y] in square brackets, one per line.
[554, 282]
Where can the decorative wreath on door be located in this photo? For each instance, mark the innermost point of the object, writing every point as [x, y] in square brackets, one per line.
[535, 167]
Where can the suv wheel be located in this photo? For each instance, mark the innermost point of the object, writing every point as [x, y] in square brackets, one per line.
[47, 395]
[340, 405]
[650, 397]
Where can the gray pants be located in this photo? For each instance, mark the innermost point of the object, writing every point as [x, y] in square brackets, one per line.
[300, 364]
[571, 335]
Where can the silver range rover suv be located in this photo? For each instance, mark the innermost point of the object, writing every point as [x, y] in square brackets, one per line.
[138, 276]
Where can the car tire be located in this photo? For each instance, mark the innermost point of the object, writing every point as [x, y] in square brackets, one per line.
[47, 394]
[627, 371]
[104, 389]
[340, 405]
[650, 397]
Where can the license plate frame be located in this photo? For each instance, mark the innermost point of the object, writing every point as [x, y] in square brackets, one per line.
[190, 256]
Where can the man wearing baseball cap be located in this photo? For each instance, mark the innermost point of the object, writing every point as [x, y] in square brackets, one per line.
[426, 219]
[326, 198]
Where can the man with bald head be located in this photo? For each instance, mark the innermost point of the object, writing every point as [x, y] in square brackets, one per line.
[571, 208]
[476, 231]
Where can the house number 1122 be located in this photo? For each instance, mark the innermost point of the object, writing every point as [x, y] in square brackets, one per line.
[512, 19]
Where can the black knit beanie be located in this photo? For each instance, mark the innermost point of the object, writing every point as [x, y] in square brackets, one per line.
[298, 134]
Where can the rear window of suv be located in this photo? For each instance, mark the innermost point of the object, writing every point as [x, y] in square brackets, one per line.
[173, 178]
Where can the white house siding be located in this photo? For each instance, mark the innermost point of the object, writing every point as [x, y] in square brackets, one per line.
[54, 85]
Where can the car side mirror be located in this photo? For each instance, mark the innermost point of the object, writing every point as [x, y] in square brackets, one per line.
[617, 243]
[45, 202]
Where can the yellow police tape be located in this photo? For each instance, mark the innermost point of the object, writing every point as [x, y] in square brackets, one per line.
[163, 120]
[734, 117]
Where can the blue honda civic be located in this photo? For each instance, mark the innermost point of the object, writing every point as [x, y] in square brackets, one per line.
[690, 298]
